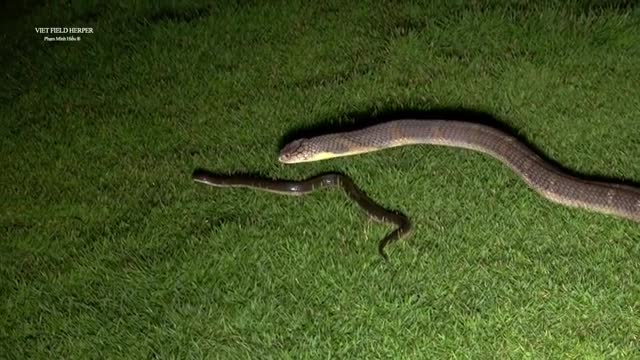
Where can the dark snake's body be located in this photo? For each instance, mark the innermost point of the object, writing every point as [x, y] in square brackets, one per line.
[298, 188]
[546, 179]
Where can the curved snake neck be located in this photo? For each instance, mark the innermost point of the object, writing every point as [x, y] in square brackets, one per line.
[546, 179]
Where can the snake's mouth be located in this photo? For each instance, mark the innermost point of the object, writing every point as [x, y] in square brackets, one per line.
[283, 159]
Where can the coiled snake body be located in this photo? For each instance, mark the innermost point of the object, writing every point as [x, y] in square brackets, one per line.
[546, 179]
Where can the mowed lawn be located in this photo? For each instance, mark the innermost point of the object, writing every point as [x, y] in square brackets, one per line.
[109, 250]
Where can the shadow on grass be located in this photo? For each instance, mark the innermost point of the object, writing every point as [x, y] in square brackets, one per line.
[179, 15]
[616, 5]
[360, 120]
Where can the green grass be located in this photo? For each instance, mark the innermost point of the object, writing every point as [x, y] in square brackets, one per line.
[109, 250]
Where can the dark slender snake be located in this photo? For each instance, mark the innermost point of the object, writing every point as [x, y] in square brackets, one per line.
[546, 179]
[298, 188]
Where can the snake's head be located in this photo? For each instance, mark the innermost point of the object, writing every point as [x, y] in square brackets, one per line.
[295, 152]
[305, 150]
